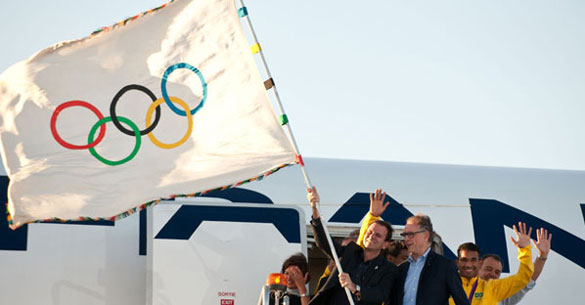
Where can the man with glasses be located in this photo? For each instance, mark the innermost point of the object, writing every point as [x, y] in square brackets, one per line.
[426, 278]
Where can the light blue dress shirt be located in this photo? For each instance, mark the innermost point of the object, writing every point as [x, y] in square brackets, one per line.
[412, 277]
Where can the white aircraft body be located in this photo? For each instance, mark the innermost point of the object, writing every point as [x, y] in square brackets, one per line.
[219, 249]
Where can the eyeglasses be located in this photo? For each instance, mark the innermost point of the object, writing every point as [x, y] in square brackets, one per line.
[410, 234]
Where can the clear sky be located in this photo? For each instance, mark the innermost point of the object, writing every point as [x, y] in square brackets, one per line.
[498, 83]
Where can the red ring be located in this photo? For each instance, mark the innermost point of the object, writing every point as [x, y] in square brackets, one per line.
[71, 104]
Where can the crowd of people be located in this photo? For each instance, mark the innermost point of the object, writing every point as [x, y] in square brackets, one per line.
[379, 270]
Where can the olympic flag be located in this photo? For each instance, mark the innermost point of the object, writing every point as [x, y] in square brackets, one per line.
[169, 102]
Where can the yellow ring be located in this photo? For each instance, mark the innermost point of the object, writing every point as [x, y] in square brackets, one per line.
[175, 100]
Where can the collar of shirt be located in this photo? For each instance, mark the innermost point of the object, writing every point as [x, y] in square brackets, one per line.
[468, 282]
[413, 277]
[421, 258]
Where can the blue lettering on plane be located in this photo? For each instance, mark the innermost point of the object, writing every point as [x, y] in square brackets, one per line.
[16, 240]
[188, 218]
[9, 239]
[489, 218]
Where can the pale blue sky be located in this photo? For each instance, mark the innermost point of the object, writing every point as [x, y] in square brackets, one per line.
[499, 83]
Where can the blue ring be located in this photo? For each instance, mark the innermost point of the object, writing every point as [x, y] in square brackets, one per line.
[165, 95]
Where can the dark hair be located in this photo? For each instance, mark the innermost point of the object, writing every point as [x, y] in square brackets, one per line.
[425, 223]
[494, 256]
[395, 247]
[299, 260]
[468, 247]
[388, 227]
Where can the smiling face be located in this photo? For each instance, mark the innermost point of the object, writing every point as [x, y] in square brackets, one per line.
[295, 270]
[291, 273]
[468, 263]
[416, 239]
[490, 269]
[375, 238]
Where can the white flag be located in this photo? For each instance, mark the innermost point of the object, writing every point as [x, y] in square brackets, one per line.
[170, 102]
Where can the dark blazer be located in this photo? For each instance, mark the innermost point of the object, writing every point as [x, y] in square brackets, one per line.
[378, 279]
[438, 281]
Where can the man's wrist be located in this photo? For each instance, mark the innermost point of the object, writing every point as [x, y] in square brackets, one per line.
[542, 257]
[315, 221]
[355, 289]
[357, 292]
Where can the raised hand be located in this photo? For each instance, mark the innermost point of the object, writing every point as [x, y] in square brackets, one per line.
[313, 196]
[294, 273]
[542, 243]
[523, 236]
[377, 205]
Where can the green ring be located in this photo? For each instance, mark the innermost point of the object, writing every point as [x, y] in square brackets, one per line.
[125, 121]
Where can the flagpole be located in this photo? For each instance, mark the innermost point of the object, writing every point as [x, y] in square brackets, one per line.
[276, 95]
[244, 14]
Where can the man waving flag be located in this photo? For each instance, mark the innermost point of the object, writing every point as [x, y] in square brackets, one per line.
[167, 102]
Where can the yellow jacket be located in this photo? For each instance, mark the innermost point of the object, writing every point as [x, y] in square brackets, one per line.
[491, 292]
[365, 225]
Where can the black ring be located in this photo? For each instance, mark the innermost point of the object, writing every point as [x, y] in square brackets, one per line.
[115, 101]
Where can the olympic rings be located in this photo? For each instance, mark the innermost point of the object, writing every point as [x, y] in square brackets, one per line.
[163, 87]
[135, 131]
[115, 101]
[156, 104]
[71, 104]
[136, 146]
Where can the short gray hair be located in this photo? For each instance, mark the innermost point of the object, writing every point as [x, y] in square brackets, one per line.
[424, 222]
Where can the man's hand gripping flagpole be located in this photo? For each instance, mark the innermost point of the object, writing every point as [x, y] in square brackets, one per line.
[313, 198]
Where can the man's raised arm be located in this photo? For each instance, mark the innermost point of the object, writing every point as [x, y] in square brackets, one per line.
[542, 245]
[317, 225]
[506, 287]
[377, 208]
